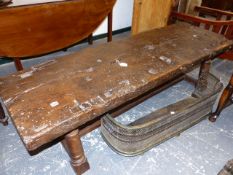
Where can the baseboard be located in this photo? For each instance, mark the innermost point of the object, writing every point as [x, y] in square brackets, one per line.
[113, 33]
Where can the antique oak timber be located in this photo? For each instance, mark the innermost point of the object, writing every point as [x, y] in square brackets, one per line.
[65, 98]
[31, 30]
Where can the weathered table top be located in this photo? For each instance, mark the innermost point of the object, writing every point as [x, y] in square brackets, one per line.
[53, 98]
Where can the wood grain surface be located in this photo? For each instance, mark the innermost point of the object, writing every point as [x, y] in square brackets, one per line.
[54, 98]
[38, 29]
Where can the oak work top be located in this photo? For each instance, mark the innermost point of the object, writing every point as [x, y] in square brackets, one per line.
[54, 98]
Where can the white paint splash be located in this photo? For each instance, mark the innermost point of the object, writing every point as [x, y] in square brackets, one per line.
[20, 128]
[54, 104]
[121, 64]
[152, 71]
[126, 82]
[194, 36]
[40, 128]
[7, 101]
[88, 79]
[99, 61]
[44, 64]
[91, 69]
[97, 101]
[149, 47]
[108, 93]
[76, 102]
[172, 112]
[26, 74]
[28, 90]
[165, 59]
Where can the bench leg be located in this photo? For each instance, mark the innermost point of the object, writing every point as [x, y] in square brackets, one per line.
[73, 145]
[202, 82]
[224, 99]
[3, 116]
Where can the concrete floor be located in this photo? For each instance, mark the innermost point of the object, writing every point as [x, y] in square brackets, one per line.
[202, 149]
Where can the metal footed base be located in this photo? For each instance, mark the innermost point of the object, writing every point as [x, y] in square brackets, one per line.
[144, 133]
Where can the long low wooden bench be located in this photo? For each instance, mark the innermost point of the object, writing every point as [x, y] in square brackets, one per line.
[65, 98]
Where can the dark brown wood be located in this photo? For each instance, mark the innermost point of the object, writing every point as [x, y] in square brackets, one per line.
[223, 27]
[203, 74]
[18, 64]
[88, 127]
[4, 3]
[3, 113]
[109, 33]
[219, 4]
[213, 11]
[224, 99]
[73, 145]
[81, 87]
[110, 27]
[60, 25]
[216, 25]
[90, 39]
[3, 116]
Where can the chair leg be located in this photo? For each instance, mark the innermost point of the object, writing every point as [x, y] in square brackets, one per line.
[224, 99]
[18, 64]
[110, 27]
[90, 39]
[73, 146]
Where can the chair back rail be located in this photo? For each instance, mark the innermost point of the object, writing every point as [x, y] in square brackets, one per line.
[34, 30]
[214, 12]
[222, 27]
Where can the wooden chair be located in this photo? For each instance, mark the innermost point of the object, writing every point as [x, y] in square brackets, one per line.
[222, 24]
[34, 30]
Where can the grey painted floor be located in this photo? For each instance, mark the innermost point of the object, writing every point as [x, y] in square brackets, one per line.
[202, 149]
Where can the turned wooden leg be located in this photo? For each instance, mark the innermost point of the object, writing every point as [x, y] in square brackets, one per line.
[3, 117]
[90, 39]
[227, 169]
[18, 64]
[73, 145]
[202, 82]
[110, 27]
[224, 99]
